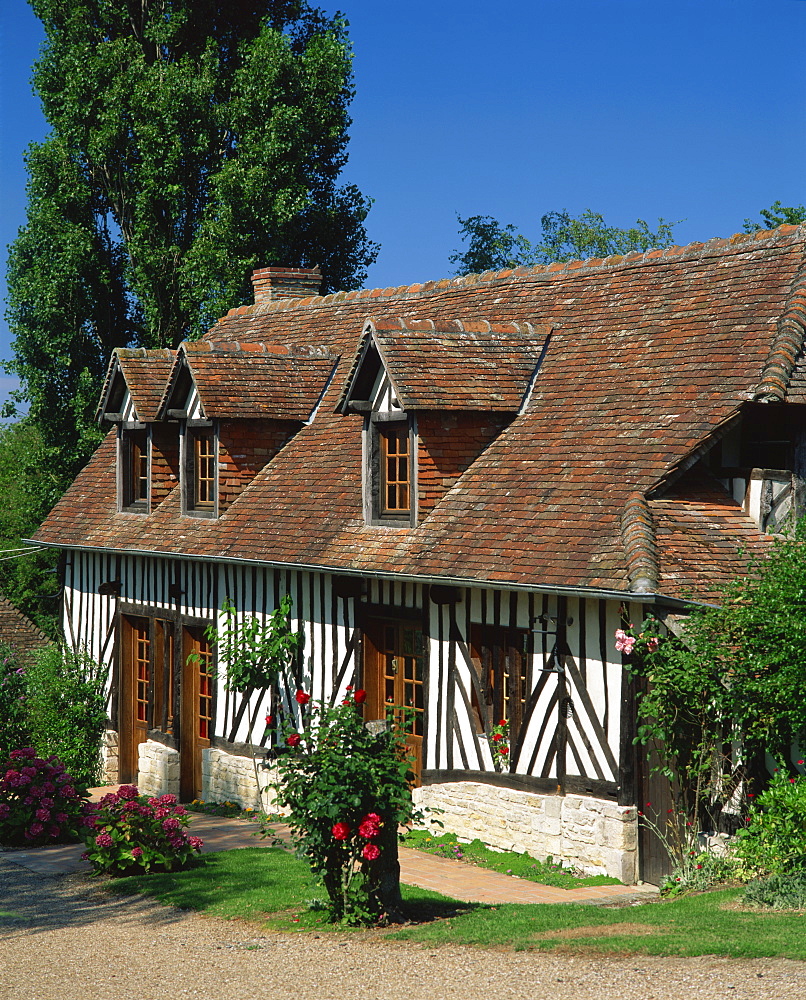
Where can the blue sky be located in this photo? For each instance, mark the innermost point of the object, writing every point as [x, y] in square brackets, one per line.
[693, 110]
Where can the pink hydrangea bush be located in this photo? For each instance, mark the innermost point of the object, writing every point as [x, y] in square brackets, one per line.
[128, 834]
[39, 803]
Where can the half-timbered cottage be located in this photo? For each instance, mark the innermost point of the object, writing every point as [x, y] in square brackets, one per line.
[465, 486]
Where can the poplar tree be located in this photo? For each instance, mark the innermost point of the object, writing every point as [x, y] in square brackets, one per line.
[190, 141]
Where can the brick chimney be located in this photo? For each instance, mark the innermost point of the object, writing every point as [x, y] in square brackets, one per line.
[272, 283]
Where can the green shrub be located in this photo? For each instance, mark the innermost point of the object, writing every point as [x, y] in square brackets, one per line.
[39, 803]
[13, 716]
[779, 892]
[703, 870]
[66, 710]
[127, 833]
[774, 839]
[348, 789]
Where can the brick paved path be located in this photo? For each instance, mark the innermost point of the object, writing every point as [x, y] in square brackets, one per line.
[452, 878]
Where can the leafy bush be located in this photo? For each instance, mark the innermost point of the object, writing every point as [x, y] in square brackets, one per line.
[39, 803]
[348, 789]
[67, 710]
[704, 870]
[779, 892]
[774, 839]
[128, 834]
[13, 718]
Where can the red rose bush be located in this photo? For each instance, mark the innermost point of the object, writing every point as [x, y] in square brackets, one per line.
[348, 788]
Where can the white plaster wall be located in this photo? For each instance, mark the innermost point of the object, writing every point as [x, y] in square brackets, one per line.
[595, 835]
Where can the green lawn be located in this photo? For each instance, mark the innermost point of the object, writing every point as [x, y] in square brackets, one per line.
[523, 865]
[271, 887]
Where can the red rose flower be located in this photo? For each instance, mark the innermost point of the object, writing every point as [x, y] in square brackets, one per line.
[302, 697]
[269, 720]
[503, 750]
[360, 696]
[370, 826]
[497, 737]
[503, 722]
[371, 852]
[293, 740]
[340, 831]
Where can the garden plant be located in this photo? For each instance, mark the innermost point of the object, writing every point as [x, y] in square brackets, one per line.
[128, 833]
[348, 788]
[39, 802]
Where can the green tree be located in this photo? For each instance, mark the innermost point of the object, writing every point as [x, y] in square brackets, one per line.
[27, 576]
[191, 140]
[491, 246]
[735, 675]
[777, 215]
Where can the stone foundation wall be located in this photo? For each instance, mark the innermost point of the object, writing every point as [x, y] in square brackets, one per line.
[228, 778]
[158, 769]
[110, 758]
[595, 835]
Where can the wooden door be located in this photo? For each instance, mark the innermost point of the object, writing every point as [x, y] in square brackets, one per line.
[656, 801]
[196, 710]
[133, 704]
[394, 657]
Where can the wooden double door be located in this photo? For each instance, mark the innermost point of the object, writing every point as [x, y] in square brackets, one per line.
[393, 677]
[166, 689]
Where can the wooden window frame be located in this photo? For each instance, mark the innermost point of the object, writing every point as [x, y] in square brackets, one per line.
[134, 449]
[378, 430]
[193, 465]
[505, 692]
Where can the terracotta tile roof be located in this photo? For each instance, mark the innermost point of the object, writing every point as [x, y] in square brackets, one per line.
[457, 365]
[18, 631]
[255, 380]
[704, 538]
[145, 372]
[649, 353]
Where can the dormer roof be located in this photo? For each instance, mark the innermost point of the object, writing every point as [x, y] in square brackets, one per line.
[447, 365]
[244, 381]
[135, 382]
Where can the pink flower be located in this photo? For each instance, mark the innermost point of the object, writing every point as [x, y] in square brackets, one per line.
[137, 852]
[652, 644]
[103, 840]
[371, 852]
[170, 824]
[360, 696]
[340, 831]
[624, 642]
[302, 697]
[196, 843]
[128, 792]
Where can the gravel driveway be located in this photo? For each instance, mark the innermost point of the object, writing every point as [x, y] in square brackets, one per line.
[64, 938]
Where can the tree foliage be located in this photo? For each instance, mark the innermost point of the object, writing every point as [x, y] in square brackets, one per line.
[777, 215]
[734, 676]
[28, 490]
[191, 140]
[492, 247]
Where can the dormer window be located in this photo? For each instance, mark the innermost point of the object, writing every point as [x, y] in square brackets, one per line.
[200, 472]
[433, 397]
[134, 465]
[395, 469]
[391, 468]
